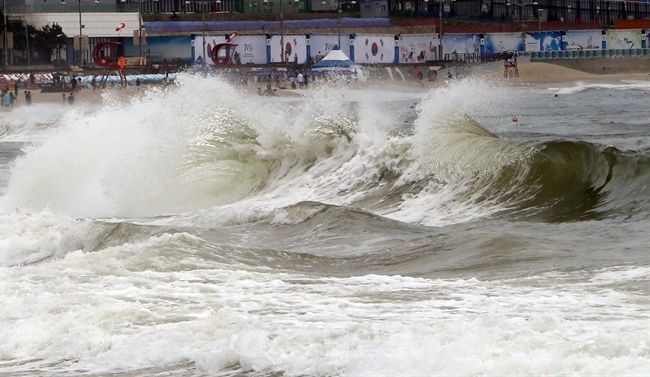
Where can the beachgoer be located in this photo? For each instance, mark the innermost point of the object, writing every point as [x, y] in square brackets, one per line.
[137, 83]
[301, 80]
[71, 99]
[6, 100]
[28, 97]
[94, 82]
[259, 92]
[12, 99]
[450, 75]
[73, 84]
[32, 79]
[63, 98]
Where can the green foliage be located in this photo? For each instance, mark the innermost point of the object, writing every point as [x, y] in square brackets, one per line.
[399, 14]
[48, 38]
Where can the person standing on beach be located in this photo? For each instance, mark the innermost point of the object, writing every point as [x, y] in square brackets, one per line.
[63, 98]
[137, 83]
[32, 79]
[301, 80]
[28, 97]
[71, 99]
[73, 84]
[5, 98]
[94, 82]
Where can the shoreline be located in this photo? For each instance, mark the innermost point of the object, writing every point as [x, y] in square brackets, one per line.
[529, 73]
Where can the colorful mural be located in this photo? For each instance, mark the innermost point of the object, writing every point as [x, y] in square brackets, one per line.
[295, 48]
[418, 48]
[623, 39]
[584, 40]
[500, 42]
[325, 43]
[461, 44]
[544, 41]
[161, 48]
[374, 48]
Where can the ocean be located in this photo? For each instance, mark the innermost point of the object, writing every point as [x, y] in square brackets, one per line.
[478, 228]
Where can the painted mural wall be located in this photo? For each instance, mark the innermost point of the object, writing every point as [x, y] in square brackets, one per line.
[324, 43]
[500, 42]
[584, 40]
[544, 41]
[461, 43]
[418, 48]
[251, 48]
[161, 48]
[623, 39]
[368, 48]
[374, 48]
[295, 48]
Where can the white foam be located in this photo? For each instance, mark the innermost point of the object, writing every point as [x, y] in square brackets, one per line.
[132, 307]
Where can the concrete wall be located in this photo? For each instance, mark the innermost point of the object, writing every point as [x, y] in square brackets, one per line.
[606, 65]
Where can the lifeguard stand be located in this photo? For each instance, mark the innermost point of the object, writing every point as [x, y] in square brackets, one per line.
[223, 54]
[510, 64]
[109, 56]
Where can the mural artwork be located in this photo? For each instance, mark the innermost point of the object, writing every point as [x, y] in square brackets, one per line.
[418, 48]
[544, 41]
[323, 44]
[295, 48]
[584, 40]
[623, 39]
[462, 44]
[161, 48]
[500, 42]
[374, 48]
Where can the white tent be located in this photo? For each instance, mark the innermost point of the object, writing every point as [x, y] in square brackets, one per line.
[336, 59]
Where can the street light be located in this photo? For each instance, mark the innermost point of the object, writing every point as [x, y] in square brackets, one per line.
[521, 6]
[4, 36]
[440, 3]
[282, 57]
[139, 22]
[338, 12]
[203, 2]
[80, 27]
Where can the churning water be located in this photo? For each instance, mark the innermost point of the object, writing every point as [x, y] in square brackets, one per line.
[387, 230]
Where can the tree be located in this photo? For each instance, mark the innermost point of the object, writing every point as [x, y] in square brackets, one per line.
[48, 38]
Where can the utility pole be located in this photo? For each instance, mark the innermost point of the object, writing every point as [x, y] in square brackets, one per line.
[6, 42]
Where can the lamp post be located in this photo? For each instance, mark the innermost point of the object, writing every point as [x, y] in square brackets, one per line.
[81, 26]
[4, 36]
[540, 11]
[187, 2]
[440, 5]
[282, 57]
[521, 6]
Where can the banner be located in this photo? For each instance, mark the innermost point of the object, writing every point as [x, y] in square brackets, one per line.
[501, 42]
[584, 40]
[374, 48]
[295, 48]
[323, 44]
[623, 39]
[418, 48]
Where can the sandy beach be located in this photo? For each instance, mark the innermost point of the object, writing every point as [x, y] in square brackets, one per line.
[529, 73]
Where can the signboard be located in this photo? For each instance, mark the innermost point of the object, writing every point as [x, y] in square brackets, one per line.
[132, 61]
[84, 43]
[10, 41]
[136, 38]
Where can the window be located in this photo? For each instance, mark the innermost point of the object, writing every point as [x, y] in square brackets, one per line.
[383, 7]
